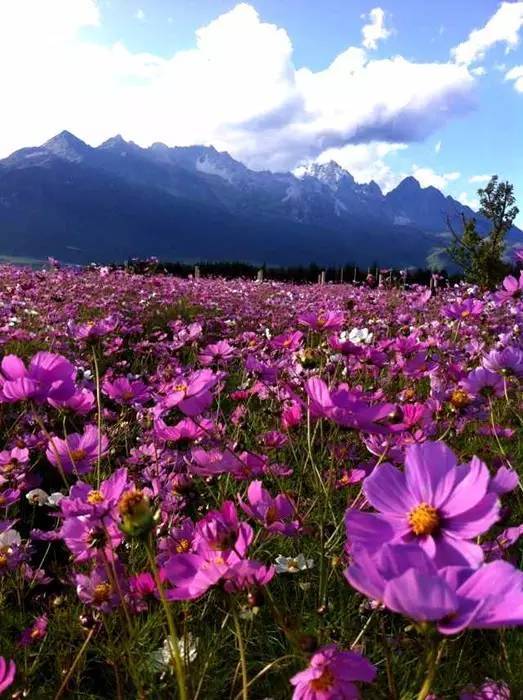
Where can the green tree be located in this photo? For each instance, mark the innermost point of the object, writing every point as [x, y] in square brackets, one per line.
[481, 257]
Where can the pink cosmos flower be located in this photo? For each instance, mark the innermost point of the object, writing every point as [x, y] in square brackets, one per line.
[435, 503]
[218, 352]
[7, 673]
[78, 452]
[35, 633]
[287, 341]
[512, 288]
[278, 515]
[489, 690]
[483, 382]
[461, 310]
[332, 675]
[191, 394]
[345, 407]
[124, 391]
[48, 376]
[97, 591]
[407, 581]
[325, 320]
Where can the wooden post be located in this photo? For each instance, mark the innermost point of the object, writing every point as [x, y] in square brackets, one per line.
[196, 272]
[322, 277]
[355, 278]
[259, 276]
[341, 275]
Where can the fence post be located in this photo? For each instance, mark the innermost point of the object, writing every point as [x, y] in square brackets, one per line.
[355, 278]
[322, 277]
[196, 272]
[259, 275]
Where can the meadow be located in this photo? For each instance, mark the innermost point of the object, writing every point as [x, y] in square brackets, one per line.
[222, 489]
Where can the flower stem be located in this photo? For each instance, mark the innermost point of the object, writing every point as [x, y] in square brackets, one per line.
[174, 647]
[243, 660]
[433, 656]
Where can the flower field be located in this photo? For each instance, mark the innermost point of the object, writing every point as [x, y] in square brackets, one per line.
[219, 489]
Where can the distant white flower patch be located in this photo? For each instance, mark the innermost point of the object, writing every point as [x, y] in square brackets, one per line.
[360, 336]
[293, 565]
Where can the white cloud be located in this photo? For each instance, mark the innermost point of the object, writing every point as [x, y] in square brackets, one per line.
[481, 179]
[437, 147]
[480, 70]
[237, 88]
[516, 74]
[375, 30]
[139, 15]
[503, 27]
[468, 201]
[428, 177]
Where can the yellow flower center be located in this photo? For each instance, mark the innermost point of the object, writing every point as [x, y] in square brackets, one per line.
[324, 682]
[181, 387]
[102, 592]
[132, 502]
[459, 398]
[183, 546]
[424, 519]
[465, 313]
[78, 455]
[3, 560]
[94, 497]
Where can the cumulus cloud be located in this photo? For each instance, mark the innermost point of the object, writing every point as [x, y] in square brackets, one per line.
[516, 74]
[481, 179]
[237, 88]
[428, 177]
[502, 28]
[468, 201]
[375, 30]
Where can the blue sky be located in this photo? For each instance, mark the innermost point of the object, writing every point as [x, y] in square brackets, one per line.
[388, 89]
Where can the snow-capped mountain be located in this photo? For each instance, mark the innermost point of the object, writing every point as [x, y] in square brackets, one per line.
[79, 203]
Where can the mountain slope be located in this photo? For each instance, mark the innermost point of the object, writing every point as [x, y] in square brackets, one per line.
[118, 200]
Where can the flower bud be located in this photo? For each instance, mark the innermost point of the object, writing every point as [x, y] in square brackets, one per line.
[136, 512]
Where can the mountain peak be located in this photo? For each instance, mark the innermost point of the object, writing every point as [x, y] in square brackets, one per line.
[330, 173]
[409, 184]
[67, 146]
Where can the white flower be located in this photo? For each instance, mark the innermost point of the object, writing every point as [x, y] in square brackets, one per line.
[162, 658]
[293, 565]
[55, 498]
[10, 538]
[37, 497]
[360, 336]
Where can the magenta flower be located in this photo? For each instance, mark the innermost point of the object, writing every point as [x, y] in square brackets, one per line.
[85, 537]
[78, 452]
[247, 574]
[287, 341]
[489, 690]
[7, 673]
[325, 320]
[407, 581]
[332, 675]
[435, 503]
[512, 288]
[35, 633]
[483, 382]
[461, 310]
[277, 515]
[218, 352]
[347, 408]
[48, 376]
[191, 394]
[124, 391]
[507, 361]
[84, 500]
[97, 591]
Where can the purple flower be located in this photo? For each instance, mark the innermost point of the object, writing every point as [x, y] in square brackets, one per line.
[512, 288]
[278, 515]
[435, 503]
[77, 452]
[97, 591]
[85, 537]
[221, 351]
[483, 382]
[507, 361]
[7, 673]
[48, 376]
[190, 394]
[124, 391]
[407, 581]
[332, 675]
[489, 690]
[461, 310]
[35, 633]
[325, 320]
[246, 575]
